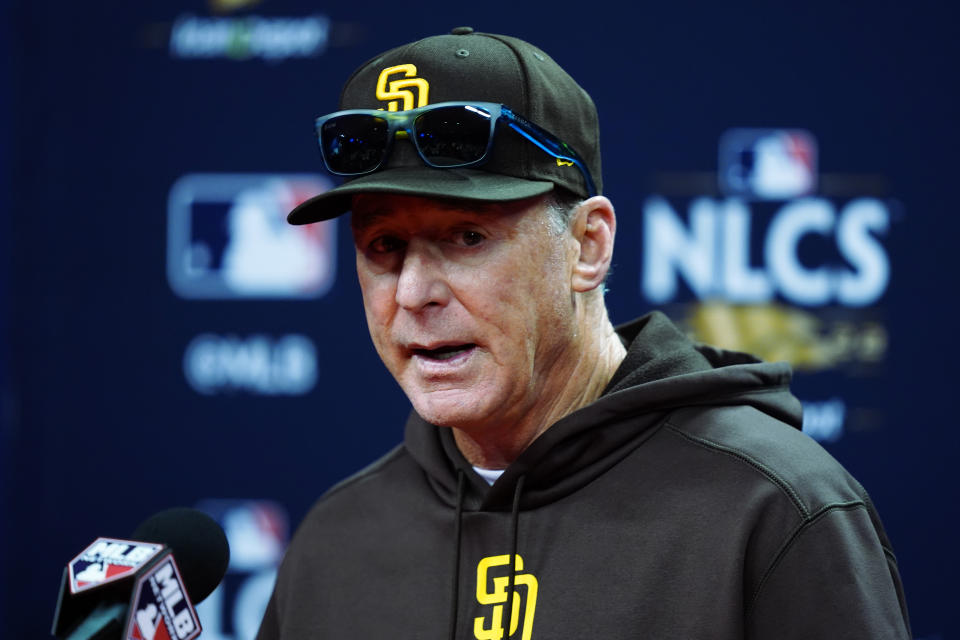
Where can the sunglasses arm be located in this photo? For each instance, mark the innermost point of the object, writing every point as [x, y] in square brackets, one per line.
[550, 146]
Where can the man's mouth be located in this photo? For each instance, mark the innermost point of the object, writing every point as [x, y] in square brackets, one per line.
[443, 353]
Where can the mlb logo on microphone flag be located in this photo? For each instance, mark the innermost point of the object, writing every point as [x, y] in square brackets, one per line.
[161, 609]
[107, 560]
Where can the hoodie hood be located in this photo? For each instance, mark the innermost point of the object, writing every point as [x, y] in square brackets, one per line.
[663, 371]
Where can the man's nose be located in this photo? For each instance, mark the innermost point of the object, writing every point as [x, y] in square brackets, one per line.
[422, 280]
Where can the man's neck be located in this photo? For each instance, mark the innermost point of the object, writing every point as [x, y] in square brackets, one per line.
[498, 445]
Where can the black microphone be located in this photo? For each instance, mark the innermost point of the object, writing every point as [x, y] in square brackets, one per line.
[146, 587]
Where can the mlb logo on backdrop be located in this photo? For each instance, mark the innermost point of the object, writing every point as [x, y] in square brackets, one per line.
[227, 237]
[258, 534]
[768, 164]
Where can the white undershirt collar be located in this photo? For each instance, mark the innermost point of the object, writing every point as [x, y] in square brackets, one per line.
[490, 475]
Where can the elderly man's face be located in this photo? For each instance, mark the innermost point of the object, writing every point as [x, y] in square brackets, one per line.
[469, 307]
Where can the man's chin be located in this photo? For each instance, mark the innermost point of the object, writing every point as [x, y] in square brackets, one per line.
[451, 419]
[459, 410]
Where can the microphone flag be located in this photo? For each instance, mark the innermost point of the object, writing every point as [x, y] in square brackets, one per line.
[161, 609]
[107, 560]
[133, 587]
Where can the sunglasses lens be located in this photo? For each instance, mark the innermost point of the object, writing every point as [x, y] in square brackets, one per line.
[353, 144]
[453, 136]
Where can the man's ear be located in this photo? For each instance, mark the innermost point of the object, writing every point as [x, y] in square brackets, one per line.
[594, 228]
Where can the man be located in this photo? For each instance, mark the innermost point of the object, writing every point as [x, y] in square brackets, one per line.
[558, 478]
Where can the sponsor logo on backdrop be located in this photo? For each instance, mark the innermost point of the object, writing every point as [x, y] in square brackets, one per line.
[229, 6]
[227, 237]
[258, 364]
[774, 267]
[257, 532]
[249, 37]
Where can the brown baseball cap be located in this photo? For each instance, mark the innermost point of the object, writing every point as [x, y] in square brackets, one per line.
[469, 66]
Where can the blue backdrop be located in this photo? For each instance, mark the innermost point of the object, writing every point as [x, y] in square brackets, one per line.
[784, 178]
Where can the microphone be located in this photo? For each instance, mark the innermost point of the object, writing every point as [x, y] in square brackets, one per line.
[143, 588]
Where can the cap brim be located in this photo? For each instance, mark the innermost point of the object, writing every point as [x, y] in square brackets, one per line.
[466, 184]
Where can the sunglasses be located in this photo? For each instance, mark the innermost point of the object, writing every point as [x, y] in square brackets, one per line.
[446, 135]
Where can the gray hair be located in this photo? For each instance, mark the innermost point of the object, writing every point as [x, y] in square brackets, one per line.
[560, 207]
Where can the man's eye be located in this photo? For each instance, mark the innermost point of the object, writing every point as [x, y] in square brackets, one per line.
[470, 238]
[386, 244]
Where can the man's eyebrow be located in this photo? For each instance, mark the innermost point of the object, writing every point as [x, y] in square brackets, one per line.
[367, 218]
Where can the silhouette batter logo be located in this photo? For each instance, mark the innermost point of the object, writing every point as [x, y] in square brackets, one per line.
[228, 238]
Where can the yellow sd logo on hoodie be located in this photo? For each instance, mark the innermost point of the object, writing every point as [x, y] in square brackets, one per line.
[493, 591]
